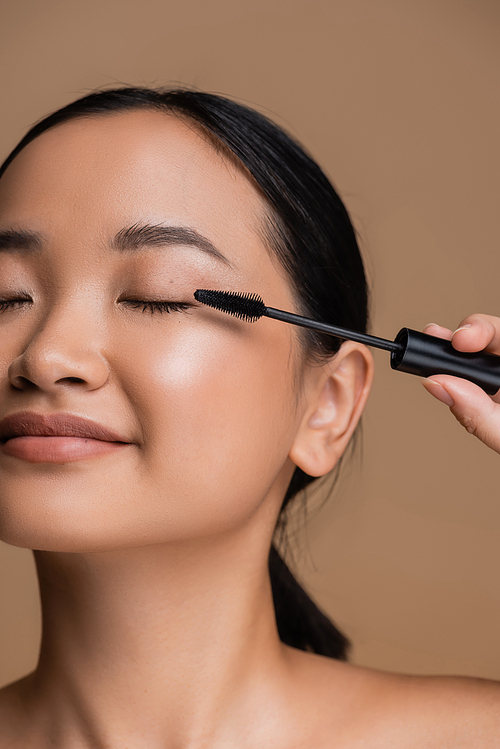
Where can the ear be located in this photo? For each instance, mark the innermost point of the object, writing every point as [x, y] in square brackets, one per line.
[335, 394]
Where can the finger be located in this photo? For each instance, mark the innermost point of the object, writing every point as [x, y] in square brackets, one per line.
[476, 333]
[470, 405]
[438, 331]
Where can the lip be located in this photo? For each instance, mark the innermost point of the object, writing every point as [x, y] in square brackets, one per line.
[31, 424]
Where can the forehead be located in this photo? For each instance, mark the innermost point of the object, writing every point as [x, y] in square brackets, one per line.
[105, 172]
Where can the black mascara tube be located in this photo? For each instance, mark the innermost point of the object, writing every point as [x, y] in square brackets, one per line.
[424, 355]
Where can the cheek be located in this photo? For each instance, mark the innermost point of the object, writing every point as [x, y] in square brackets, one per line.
[218, 419]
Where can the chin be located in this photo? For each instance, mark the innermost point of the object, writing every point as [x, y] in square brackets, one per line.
[59, 540]
[68, 532]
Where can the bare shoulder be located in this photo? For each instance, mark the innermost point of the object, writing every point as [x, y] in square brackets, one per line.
[375, 709]
[464, 710]
[446, 711]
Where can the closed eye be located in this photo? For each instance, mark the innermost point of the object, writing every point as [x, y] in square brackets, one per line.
[5, 304]
[158, 306]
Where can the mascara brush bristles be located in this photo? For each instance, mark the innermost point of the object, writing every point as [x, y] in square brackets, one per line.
[247, 307]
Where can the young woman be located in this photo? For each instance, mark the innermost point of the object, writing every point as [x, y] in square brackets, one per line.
[149, 444]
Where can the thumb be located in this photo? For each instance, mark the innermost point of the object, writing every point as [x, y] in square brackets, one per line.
[470, 405]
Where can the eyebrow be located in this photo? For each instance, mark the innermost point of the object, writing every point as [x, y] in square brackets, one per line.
[130, 239]
[14, 239]
[138, 236]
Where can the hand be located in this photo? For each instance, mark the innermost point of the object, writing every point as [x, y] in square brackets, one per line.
[478, 412]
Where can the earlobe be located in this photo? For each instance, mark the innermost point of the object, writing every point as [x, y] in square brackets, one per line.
[336, 394]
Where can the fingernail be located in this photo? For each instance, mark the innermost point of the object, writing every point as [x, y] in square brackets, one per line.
[438, 391]
[464, 327]
[429, 324]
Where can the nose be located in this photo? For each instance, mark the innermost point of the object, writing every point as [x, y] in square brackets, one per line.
[61, 352]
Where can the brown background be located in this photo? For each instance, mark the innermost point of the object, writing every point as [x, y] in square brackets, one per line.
[398, 100]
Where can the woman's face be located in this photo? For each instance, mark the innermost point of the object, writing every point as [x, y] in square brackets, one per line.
[209, 404]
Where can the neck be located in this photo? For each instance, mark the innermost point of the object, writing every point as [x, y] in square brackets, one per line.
[167, 643]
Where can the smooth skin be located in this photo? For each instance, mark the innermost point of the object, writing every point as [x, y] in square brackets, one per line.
[158, 622]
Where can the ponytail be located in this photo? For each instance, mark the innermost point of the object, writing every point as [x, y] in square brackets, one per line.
[301, 624]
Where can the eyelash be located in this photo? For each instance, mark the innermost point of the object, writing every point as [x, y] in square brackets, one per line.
[6, 303]
[158, 306]
[134, 303]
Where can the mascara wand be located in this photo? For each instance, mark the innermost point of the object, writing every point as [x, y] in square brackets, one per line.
[411, 351]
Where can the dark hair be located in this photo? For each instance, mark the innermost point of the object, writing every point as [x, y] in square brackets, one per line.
[309, 230]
